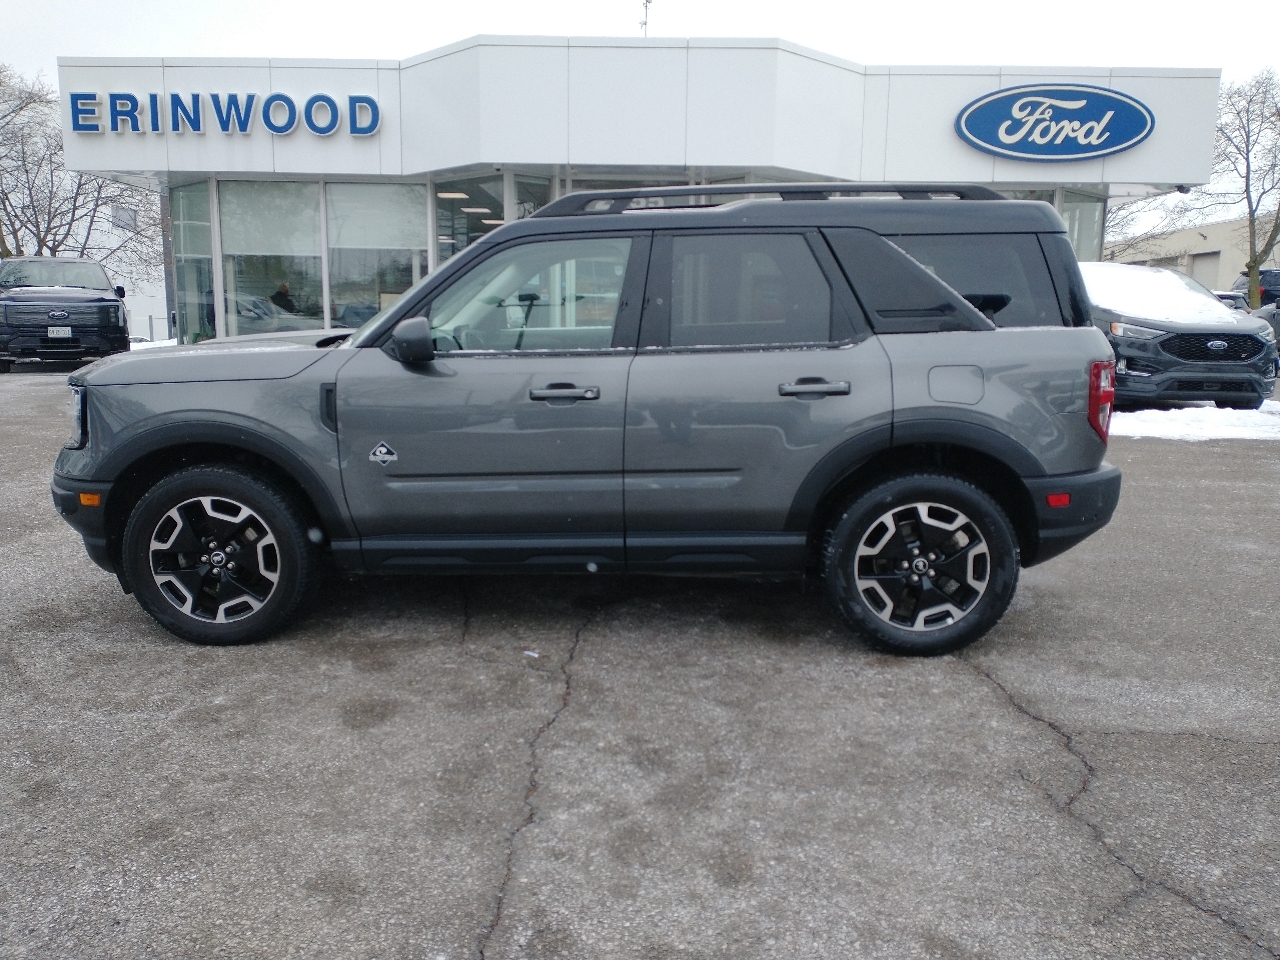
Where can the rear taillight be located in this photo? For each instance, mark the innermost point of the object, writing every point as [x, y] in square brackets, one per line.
[1102, 395]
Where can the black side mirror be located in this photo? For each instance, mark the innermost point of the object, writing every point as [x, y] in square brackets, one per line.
[120, 292]
[413, 342]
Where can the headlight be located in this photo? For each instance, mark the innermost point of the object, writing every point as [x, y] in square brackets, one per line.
[76, 420]
[1268, 334]
[1134, 332]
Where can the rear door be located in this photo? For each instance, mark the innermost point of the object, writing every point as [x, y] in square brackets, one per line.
[507, 448]
[755, 364]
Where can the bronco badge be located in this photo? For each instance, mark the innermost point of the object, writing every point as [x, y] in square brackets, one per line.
[383, 454]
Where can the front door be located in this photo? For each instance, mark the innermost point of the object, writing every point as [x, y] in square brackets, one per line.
[506, 450]
[755, 365]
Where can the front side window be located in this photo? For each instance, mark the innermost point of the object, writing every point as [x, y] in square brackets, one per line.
[747, 289]
[1004, 275]
[551, 295]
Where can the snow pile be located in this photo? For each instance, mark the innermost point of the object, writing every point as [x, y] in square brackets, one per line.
[1200, 422]
[147, 345]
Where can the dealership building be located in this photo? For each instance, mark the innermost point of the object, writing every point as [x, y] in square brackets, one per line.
[309, 193]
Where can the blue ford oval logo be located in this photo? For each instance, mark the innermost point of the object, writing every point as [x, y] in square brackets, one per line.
[58, 314]
[1217, 344]
[1055, 122]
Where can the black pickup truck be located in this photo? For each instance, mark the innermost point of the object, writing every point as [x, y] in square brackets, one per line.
[59, 308]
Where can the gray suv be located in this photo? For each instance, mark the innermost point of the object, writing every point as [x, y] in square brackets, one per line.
[902, 394]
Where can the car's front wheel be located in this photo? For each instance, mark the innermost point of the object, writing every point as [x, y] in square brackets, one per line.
[219, 556]
[922, 564]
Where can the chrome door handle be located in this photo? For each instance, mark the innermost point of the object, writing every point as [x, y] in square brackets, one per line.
[565, 391]
[814, 386]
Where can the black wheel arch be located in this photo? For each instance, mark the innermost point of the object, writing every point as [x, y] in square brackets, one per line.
[862, 462]
[135, 466]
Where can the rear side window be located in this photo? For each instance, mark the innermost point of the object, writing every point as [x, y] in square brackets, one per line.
[747, 289]
[1003, 275]
[900, 295]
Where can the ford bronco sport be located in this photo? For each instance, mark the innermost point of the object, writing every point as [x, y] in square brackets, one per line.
[904, 395]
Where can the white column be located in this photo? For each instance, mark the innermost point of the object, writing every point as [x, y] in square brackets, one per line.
[324, 256]
[509, 208]
[215, 243]
[433, 228]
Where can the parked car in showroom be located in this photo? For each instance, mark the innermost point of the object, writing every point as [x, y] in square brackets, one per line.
[59, 308]
[1174, 340]
[905, 398]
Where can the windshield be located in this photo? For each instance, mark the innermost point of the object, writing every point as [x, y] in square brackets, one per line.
[52, 272]
[1152, 293]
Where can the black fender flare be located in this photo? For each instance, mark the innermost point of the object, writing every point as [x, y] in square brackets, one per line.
[856, 451]
[243, 433]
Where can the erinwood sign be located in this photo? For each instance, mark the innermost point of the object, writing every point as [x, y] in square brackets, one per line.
[1055, 122]
[279, 113]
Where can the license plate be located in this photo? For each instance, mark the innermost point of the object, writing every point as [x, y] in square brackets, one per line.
[60, 332]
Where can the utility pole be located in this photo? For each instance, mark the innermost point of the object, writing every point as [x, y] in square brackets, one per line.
[644, 24]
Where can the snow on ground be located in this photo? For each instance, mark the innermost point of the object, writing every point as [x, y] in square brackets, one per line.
[147, 345]
[1200, 421]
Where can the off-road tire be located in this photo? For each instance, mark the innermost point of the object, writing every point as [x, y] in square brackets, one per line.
[272, 541]
[966, 532]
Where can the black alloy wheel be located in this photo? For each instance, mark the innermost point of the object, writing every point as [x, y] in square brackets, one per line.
[922, 564]
[219, 556]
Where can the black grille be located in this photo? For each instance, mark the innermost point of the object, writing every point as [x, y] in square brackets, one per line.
[1214, 386]
[1194, 347]
[33, 314]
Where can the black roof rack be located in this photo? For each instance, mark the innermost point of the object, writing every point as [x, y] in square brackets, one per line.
[597, 202]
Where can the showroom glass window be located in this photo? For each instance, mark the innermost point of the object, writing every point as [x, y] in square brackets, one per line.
[465, 211]
[743, 289]
[1084, 215]
[192, 262]
[271, 256]
[551, 295]
[378, 239]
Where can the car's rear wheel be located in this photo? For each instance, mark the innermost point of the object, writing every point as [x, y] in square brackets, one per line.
[922, 564]
[219, 556]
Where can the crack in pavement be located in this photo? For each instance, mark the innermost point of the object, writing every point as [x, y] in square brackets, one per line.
[462, 642]
[531, 787]
[1146, 884]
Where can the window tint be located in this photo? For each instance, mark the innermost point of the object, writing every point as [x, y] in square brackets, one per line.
[555, 295]
[1003, 275]
[740, 289]
[900, 294]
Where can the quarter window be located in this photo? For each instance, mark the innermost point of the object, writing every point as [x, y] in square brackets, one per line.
[556, 295]
[744, 289]
[1003, 275]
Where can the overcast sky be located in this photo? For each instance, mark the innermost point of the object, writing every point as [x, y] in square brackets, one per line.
[34, 33]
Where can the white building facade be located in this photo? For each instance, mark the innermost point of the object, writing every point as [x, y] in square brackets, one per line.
[313, 192]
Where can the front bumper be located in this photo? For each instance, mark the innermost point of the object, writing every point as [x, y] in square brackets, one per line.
[86, 343]
[1167, 378]
[1093, 498]
[88, 521]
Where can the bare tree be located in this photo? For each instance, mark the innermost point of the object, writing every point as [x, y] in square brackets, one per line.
[20, 99]
[48, 210]
[1246, 164]
[1130, 228]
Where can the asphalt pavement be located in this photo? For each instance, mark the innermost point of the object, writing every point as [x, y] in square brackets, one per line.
[598, 768]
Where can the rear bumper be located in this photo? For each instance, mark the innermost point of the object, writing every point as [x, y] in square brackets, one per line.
[89, 522]
[1094, 495]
